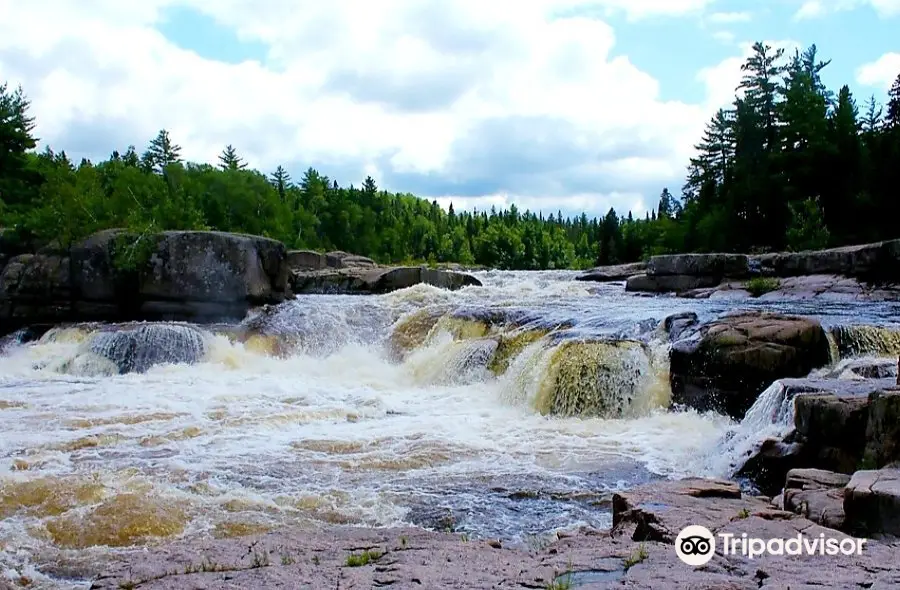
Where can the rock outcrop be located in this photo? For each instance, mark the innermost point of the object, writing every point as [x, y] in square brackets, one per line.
[615, 272]
[638, 552]
[817, 495]
[864, 272]
[730, 361]
[872, 502]
[839, 425]
[179, 275]
[368, 280]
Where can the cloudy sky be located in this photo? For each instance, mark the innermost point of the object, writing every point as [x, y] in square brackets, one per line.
[571, 104]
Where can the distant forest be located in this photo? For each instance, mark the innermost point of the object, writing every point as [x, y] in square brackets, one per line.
[791, 165]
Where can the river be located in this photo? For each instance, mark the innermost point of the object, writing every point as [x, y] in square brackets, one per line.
[364, 411]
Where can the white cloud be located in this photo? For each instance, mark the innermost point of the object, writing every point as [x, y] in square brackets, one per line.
[724, 18]
[818, 8]
[726, 37]
[508, 95]
[881, 72]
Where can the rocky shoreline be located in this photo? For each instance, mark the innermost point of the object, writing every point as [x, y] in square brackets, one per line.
[868, 272]
[195, 276]
[637, 552]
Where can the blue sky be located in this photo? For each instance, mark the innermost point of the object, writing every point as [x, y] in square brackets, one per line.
[551, 104]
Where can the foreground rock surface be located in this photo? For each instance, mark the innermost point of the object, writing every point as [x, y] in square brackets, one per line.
[637, 553]
[730, 361]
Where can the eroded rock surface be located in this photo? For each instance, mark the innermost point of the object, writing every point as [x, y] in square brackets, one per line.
[637, 553]
[733, 359]
[364, 279]
[615, 272]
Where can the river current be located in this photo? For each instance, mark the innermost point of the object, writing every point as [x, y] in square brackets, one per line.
[360, 411]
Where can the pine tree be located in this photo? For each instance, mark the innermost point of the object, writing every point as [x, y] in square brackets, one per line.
[281, 180]
[893, 106]
[229, 160]
[872, 120]
[161, 153]
[16, 139]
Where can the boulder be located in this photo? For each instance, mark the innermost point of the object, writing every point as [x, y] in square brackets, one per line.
[883, 428]
[214, 266]
[378, 280]
[767, 467]
[733, 359]
[305, 260]
[676, 325]
[717, 266]
[669, 283]
[817, 495]
[135, 349]
[872, 502]
[615, 272]
[195, 276]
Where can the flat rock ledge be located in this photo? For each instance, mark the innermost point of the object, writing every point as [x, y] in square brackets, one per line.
[638, 552]
[340, 273]
[866, 272]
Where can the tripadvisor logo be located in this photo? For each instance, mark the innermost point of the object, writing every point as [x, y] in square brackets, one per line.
[696, 545]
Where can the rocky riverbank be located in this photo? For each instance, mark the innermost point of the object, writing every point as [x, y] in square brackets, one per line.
[191, 276]
[862, 272]
[637, 552]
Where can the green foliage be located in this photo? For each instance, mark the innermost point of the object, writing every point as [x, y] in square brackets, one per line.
[807, 230]
[789, 165]
[743, 513]
[365, 558]
[761, 285]
[563, 582]
[638, 556]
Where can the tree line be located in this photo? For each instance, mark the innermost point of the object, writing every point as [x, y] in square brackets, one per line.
[790, 165]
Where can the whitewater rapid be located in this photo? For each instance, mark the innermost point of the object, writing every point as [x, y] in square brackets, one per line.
[320, 419]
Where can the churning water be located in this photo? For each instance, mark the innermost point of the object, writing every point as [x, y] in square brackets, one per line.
[507, 410]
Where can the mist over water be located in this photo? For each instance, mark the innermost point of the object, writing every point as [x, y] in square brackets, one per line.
[509, 410]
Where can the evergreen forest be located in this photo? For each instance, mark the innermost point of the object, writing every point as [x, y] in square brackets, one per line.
[791, 165]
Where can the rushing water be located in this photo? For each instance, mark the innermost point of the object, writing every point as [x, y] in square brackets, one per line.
[506, 410]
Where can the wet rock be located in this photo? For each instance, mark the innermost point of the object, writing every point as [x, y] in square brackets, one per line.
[363, 280]
[305, 260]
[668, 283]
[616, 272]
[637, 553]
[868, 368]
[854, 340]
[817, 495]
[676, 325]
[872, 502]
[700, 265]
[737, 357]
[135, 349]
[839, 425]
[767, 467]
